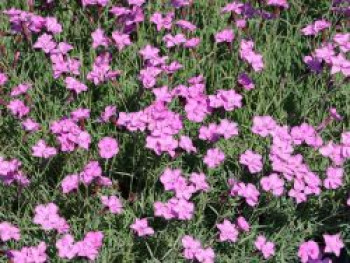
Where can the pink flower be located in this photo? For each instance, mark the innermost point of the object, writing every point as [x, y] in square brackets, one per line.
[334, 178]
[113, 204]
[181, 208]
[246, 81]
[3, 79]
[315, 28]
[20, 89]
[108, 147]
[205, 255]
[229, 99]
[91, 172]
[278, 3]
[149, 52]
[121, 40]
[75, 85]
[228, 231]
[29, 254]
[214, 157]
[18, 108]
[141, 228]
[199, 181]
[80, 114]
[252, 160]
[194, 250]
[48, 218]
[226, 35]
[234, 7]
[263, 125]
[169, 178]
[138, 3]
[70, 183]
[308, 251]
[247, 53]
[40, 149]
[187, 144]
[334, 244]
[267, 248]
[191, 247]
[162, 22]
[172, 41]
[243, 224]
[89, 247]
[99, 38]
[45, 43]
[52, 25]
[66, 247]
[8, 232]
[108, 113]
[30, 125]
[186, 25]
[273, 183]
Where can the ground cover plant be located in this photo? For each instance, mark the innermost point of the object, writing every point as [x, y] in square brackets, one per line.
[174, 131]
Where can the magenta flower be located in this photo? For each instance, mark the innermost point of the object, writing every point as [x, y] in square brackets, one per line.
[112, 203]
[233, 7]
[162, 21]
[53, 26]
[108, 113]
[263, 125]
[48, 218]
[66, 247]
[186, 25]
[214, 157]
[334, 178]
[315, 28]
[172, 41]
[45, 43]
[308, 251]
[8, 232]
[252, 160]
[18, 108]
[334, 244]
[30, 125]
[70, 183]
[89, 247]
[169, 178]
[273, 183]
[267, 248]
[3, 79]
[191, 247]
[226, 35]
[121, 40]
[75, 85]
[141, 228]
[228, 231]
[246, 82]
[243, 224]
[20, 89]
[99, 38]
[199, 181]
[278, 3]
[194, 250]
[35, 254]
[108, 147]
[149, 52]
[40, 149]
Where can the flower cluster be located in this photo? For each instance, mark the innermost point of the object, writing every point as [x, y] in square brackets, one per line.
[88, 247]
[193, 250]
[92, 173]
[48, 218]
